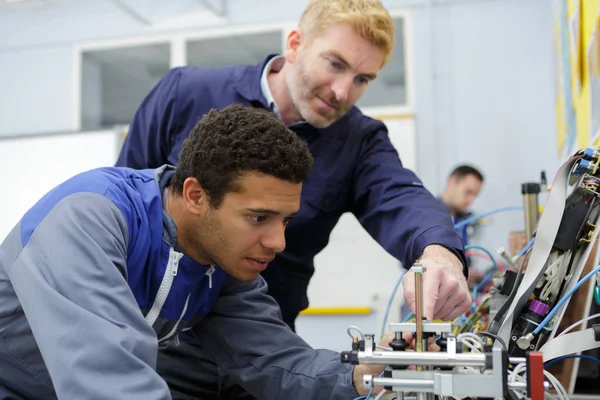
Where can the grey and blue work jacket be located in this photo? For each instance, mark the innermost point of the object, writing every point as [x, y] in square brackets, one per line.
[92, 284]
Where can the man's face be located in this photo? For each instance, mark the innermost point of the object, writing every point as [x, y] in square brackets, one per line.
[463, 192]
[247, 229]
[328, 73]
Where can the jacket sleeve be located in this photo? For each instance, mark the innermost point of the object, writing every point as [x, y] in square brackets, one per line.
[253, 346]
[70, 279]
[149, 142]
[392, 204]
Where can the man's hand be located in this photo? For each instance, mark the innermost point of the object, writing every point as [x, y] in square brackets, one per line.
[445, 291]
[357, 377]
[375, 370]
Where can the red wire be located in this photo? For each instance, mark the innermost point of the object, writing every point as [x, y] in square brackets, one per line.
[481, 254]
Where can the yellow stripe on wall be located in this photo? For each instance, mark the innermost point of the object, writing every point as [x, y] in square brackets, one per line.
[337, 311]
[393, 116]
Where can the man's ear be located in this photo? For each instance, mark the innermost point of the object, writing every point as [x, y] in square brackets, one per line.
[194, 196]
[292, 44]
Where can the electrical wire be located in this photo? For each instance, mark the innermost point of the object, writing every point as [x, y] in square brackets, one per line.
[550, 363]
[563, 300]
[389, 306]
[380, 395]
[478, 254]
[515, 376]
[494, 337]
[355, 328]
[526, 248]
[486, 251]
[368, 396]
[570, 328]
[472, 341]
[481, 284]
[495, 324]
[470, 220]
[490, 275]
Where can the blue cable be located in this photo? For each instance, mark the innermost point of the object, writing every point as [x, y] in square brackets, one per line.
[527, 246]
[477, 217]
[557, 359]
[387, 311]
[486, 251]
[490, 274]
[483, 282]
[563, 299]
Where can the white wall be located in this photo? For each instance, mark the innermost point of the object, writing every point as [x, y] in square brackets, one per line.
[484, 94]
[39, 163]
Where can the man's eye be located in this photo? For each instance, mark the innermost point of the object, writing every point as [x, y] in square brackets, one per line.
[258, 218]
[336, 65]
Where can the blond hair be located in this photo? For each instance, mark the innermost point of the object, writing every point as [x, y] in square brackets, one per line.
[369, 18]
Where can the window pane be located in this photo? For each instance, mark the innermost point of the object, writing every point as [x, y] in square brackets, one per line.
[114, 83]
[248, 49]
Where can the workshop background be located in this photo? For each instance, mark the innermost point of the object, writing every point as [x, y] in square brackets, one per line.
[510, 86]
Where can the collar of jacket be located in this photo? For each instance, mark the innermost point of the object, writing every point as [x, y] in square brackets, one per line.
[247, 82]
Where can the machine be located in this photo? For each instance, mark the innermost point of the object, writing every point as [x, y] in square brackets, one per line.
[499, 347]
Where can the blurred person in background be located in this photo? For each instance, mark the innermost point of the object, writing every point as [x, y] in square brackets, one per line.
[462, 188]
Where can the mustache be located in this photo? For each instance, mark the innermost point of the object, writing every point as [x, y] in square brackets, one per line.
[333, 101]
[330, 98]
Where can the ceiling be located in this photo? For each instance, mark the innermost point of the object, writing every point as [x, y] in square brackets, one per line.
[148, 12]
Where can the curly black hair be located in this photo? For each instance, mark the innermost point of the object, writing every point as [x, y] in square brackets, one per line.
[235, 140]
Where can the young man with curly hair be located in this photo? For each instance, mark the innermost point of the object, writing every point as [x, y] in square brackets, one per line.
[114, 263]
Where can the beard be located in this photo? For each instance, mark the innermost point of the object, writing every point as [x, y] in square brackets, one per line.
[301, 91]
[210, 241]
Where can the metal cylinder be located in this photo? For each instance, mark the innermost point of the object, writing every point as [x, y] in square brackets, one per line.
[422, 386]
[423, 358]
[516, 360]
[530, 193]
[407, 385]
[523, 385]
[418, 269]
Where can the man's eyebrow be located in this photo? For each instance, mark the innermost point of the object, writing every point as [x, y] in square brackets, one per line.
[268, 211]
[340, 58]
